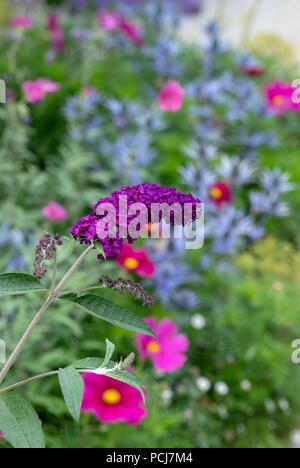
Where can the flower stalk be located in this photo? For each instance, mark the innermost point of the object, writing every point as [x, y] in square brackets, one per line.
[51, 297]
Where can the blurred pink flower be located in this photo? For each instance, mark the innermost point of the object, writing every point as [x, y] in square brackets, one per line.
[37, 90]
[112, 401]
[109, 20]
[89, 90]
[254, 69]
[55, 212]
[56, 31]
[279, 97]
[34, 91]
[10, 94]
[133, 31]
[48, 85]
[136, 261]
[24, 22]
[171, 96]
[168, 353]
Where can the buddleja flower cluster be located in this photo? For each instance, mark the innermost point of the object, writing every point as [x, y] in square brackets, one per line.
[122, 286]
[147, 194]
[45, 250]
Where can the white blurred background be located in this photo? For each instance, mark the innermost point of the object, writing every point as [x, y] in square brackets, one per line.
[252, 21]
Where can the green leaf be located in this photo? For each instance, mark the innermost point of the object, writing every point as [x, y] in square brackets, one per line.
[131, 379]
[19, 422]
[19, 283]
[111, 312]
[72, 387]
[110, 348]
[124, 376]
[100, 249]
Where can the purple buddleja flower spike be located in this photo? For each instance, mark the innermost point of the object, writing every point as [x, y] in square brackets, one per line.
[85, 230]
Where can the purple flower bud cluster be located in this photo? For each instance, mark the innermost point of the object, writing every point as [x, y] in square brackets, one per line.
[122, 286]
[85, 230]
[44, 251]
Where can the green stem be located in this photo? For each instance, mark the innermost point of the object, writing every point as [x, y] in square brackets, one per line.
[36, 377]
[49, 374]
[54, 272]
[24, 382]
[37, 318]
[75, 291]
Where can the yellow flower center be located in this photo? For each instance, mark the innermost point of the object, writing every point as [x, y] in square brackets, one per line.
[216, 193]
[131, 263]
[153, 347]
[278, 101]
[111, 396]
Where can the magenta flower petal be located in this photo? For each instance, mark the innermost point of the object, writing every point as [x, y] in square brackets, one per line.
[169, 362]
[23, 22]
[278, 96]
[109, 20]
[167, 328]
[133, 31]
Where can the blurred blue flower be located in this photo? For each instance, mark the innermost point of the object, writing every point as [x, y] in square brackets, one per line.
[17, 263]
[235, 171]
[185, 299]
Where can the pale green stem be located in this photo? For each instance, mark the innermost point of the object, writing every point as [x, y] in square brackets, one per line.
[49, 374]
[75, 291]
[54, 272]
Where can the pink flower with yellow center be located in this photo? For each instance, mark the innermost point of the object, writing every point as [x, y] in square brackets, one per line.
[112, 401]
[109, 20]
[55, 212]
[171, 96]
[279, 98]
[168, 353]
[22, 22]
[136, 261]
[220, 193]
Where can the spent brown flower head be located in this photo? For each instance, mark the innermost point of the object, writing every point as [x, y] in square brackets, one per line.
[123, 285]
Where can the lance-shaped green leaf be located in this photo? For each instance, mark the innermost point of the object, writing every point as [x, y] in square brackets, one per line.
[72, 388]
[124, 376]
[19, 422]
[110, 312]
[19, 283]
[110, 348]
